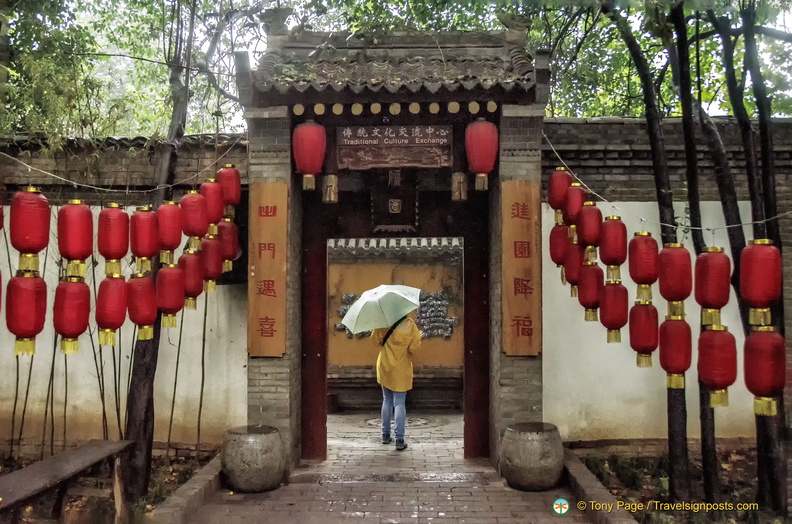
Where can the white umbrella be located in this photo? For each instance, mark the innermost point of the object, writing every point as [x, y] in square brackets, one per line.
[381, 307]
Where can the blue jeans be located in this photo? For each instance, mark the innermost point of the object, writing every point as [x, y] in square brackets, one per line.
[391, 399]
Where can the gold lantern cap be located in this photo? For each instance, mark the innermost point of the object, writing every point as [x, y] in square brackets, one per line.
[612, 281]
[168, 203]
[74, 279]
[143, 208]
[672, 244]
[589, 203]
[643, 234]
[138, 275]
[560, 169]
[31, 189]
[211, 180]
[209, 235]
[575, 184]
[614, 217]
[227, 219]
[643, 303]
[675, 317]
[713, 250]
[113, 205]
[764, 329]
[192, 192]
[115, 275]
[761, 242]
[75, 201]
[228, 165]
[717, 327]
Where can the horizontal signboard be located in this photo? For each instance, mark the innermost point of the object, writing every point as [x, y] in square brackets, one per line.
[417, 135]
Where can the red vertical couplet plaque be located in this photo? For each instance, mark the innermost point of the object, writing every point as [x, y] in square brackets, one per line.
[267, 270]
[521, 267]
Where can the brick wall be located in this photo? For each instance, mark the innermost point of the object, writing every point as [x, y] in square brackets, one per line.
[274, 383]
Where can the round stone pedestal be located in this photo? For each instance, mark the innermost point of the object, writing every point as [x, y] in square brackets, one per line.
[532, 456]
[253, 458]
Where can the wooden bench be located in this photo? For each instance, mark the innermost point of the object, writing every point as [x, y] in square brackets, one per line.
[57, 470]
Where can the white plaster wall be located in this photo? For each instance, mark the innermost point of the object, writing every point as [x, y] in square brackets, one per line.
[225, 388]
[592, 389]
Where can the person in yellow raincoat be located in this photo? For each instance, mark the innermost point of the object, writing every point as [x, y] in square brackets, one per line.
[395, 373]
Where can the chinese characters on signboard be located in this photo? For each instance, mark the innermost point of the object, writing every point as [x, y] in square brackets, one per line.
[370, 147]
[521, 266]
[267, 275]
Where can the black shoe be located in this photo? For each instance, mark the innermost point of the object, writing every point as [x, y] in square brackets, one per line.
[400, 445]
[386, 439]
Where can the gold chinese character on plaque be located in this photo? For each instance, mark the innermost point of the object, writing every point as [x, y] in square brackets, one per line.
[394, 205]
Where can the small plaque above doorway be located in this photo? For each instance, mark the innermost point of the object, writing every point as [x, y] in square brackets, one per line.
[370, 147]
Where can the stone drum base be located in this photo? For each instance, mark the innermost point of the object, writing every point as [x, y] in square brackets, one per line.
[253, 458]
[532, 456]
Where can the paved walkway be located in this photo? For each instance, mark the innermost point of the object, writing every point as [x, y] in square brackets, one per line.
[369, 482]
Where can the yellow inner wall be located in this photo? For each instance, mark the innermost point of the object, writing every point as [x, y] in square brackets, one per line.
[360, 276]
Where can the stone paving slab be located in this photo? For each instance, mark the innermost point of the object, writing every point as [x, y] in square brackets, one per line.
[364, 481]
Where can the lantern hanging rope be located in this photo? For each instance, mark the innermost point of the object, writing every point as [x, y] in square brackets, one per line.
[113, 237]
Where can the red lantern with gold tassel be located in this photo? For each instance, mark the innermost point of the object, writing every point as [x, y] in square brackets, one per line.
[230, 180]
[589, 227]
[195, 220]
[212, 254]
[213, 194]
[643, 263]
[574, 198]
[613, 246]
[765, 368]
[591, 284]
[760, 279]
[614, 306]
[308, 145]
[111, 308]
[713, 272]
[144, 237]
[572, 267]
[717, 363]
[191, 263]
[169, 229]
[643, 332]
[142, 301]
[229, 240]
[71, 311]
[30, 226]
[676, 277]
[676, 350]
[113, 237]
[557, 185]
[75, 236]
[559, 245]
[170, 293]
[26, 309]
[481, 147]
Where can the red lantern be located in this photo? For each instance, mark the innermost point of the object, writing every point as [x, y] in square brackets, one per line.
[169, 229]
[111, 308]
[591, 283]
[713, 271]
[589, 226]
[676, 278]
[30, 226]
[308, 145]
[71, 310]
[142, 303]
[213, 194]
[557, 185]
[572, 267]
[170, 293]
[574, 199]
[717, 363]
[614, 306]
[113, 237]
[676, 350]
[144, 237]
[212, 254]
[643, 332]
[191, 263]
[230, 180]
[644, 262]
[26, 309]
[559, 245]
[765, 368]
[229, 240]
[195, 218]
[613, 246]
[75, 236]
[760, 279]
[481, 146]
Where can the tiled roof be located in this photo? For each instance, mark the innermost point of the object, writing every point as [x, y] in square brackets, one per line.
[396, 63]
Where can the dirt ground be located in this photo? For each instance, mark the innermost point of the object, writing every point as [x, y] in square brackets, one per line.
[645, 480]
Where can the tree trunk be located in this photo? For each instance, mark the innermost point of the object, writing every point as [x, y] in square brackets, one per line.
[771, 460]
[679, 473]
[140, 399]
